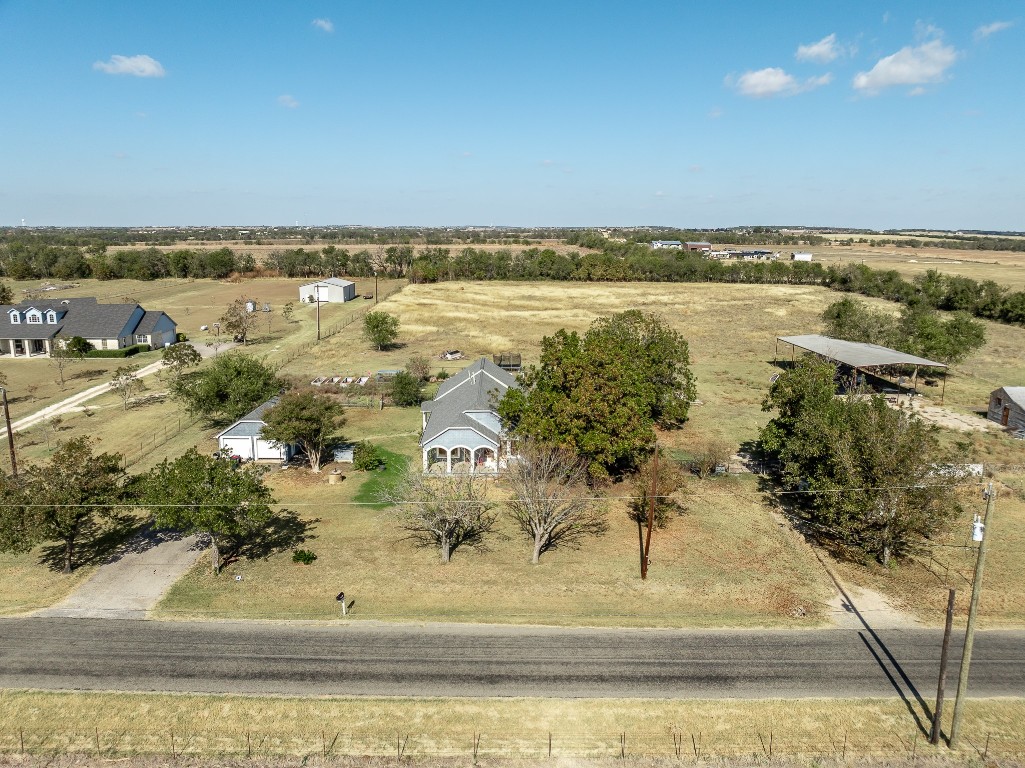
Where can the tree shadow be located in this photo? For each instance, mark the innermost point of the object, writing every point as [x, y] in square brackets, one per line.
[795, 511]
[97, 543]
[284, 531]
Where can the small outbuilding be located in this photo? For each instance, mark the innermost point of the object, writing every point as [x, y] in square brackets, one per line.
[244, 438]
[801, 256]
[1007, 407]
[329, 290]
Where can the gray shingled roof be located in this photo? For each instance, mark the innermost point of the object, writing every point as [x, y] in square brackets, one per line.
[149, 322]
[478, 387]
[99, 321]
[250, 424]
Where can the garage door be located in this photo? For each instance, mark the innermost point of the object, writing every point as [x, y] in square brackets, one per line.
[238, 446]
[265, 449]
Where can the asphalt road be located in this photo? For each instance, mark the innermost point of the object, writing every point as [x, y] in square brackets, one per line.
[454, 660]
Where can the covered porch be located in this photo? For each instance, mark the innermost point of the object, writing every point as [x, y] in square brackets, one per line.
[25, 347]
[481, 459]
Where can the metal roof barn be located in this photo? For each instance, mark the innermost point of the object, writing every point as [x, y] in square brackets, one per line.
[859, 355]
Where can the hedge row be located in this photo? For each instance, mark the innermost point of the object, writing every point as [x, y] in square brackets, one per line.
[124, 352]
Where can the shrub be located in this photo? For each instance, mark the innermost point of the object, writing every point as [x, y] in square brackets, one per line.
[78, 345]
[406, 389]
[442, 375]
[303, 556]
[182, 337]
[124, 352]
[365, 456]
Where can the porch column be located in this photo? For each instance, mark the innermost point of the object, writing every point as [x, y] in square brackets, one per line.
[425, 454]
[448, 458]
[473, 460]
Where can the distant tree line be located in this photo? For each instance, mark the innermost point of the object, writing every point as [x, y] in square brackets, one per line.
[26, 260]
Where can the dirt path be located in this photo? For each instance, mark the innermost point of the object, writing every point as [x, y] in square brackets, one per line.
[75, 402]
[131, 583]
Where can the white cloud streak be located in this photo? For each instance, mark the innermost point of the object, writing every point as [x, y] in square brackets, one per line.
[911, 65]
[289, 102]
[991, 29]
[324, 24]
[137, 66]
[822, 52]
[773, 81]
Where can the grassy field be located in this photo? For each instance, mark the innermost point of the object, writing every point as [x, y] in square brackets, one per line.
[112, 724]
[726, 562]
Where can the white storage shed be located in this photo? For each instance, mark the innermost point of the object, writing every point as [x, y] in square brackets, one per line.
[330, 289]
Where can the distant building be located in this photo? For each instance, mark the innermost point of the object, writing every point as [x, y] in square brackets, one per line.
[800, 256]
[674, 244]
[1007, 407]
[699, 246]
[330, 289]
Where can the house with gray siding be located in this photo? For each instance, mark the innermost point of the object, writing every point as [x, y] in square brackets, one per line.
[461, 428]
[1007, 407]
[34, 328]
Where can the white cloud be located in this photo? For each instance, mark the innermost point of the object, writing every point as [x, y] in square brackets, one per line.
[991, 29]
[288, 101]
[324, 24]
[138, 66]
[911, 65]
[822, 52]
[773, 81]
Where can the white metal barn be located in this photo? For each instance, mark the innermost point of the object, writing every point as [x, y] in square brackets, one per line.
[243, 438]
[330, 289]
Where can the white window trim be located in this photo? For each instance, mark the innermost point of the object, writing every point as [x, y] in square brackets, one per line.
[34, 318]
[15, 317]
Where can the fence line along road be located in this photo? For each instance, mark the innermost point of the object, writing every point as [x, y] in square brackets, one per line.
[692, 742]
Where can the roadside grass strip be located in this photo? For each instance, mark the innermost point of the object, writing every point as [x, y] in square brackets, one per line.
[113, 725]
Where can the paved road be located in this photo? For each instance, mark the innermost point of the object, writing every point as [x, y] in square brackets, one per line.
[453, 660]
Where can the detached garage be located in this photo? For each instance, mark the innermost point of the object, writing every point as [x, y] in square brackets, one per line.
[243, 439]
[330, 289]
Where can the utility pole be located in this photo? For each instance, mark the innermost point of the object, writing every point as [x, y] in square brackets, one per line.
[375, 289]
[969, 638]
[937, 720]
[10, 432]
[651, 513]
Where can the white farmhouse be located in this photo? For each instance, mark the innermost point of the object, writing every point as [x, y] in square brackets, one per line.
[330, 289]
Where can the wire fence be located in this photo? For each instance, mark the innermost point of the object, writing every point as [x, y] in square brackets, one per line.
[146, 443]
[302, 349]
[682, 744]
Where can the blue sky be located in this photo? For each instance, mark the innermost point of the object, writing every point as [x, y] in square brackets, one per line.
[539, 112]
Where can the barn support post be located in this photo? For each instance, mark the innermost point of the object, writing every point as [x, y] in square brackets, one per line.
[775, 352]
[943, 391]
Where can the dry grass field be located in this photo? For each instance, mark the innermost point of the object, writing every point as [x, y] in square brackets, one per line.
[115, 725]
[726, 562]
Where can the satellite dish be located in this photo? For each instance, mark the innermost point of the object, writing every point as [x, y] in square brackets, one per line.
[772, 379]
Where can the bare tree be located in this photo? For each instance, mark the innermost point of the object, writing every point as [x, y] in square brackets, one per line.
[709, 454]
[61, 356]
[444, 511]
[238, 320]
[126, 382]
[551, 502]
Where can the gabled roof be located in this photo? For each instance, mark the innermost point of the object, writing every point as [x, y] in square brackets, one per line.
[251, 423]
[478, 387]
[336, 281]
[99, 321]
[1016, 395]
[478, 374]
[149, 322]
